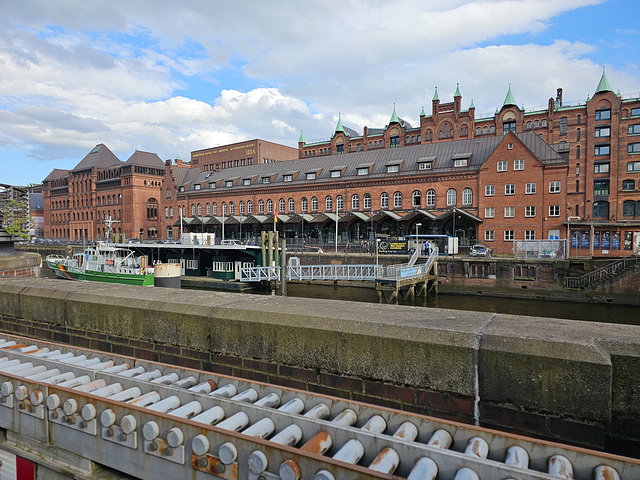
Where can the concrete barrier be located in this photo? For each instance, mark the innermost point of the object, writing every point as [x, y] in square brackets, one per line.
[572, 381]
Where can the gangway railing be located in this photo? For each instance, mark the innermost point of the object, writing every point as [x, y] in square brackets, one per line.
[406, 271]
[602, 273]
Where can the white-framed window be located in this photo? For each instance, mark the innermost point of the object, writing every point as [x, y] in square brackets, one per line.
[489, 235]
[460, 162]
[191, 265]
[416, 198]
[212, 184]
[335, 173]
[197, 186]
[467, 196]
[384, 200]
[530, 211]
[269, 206]
[489, 190]
[602, 132]
[424, 166]
[199, 209]
[518, 164]
[193, 210]
[266, 179]
[215, 208]
[281, 205]
[530, 188]
[166, 212]
[249, 207]
[232, 208]
[311, 175]
[363, 171]
[554, 187]
[367, 201]
[287, 178]
[305, 204]
[246, 182]
[529, 234]
[554, 210]
[355, 202]
[261, 206]
[397, 200]
[224, 209]
[510, 145]
[393, 168]
[451, 197]
[208, 209]
[242, 210]
[431, 198]
[509, 212]
[314, 204]
[502, 165]
[171, 212]
[508, 235]
[510, 189]
[339, 203]
[489, 212]
[228, 183]
[328, 203]
[292, 205]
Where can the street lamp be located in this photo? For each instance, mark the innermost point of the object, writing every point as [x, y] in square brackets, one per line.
[377, 242]
[417, 225]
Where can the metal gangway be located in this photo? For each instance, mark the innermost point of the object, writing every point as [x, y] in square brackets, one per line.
[404, 271]
[148, 420]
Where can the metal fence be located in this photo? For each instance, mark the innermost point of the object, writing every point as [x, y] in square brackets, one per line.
[601, 274]
[551, 249]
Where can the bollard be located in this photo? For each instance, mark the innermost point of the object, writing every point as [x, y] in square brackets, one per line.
[235, 422]
[200, 445]
[424, 469]
[166, 275]
[128, 424]
[386, 462]
[269, 401]
[187, 382]
[605, 472]
[205, 387]
[289, 470]
[258, 462]
[261, 429]
[289, 436]
[107, 417]
[318, 444]
[466, 474]
[560, 466]
[228, 453]
[211, 416]
[175, 437]
[351, 452]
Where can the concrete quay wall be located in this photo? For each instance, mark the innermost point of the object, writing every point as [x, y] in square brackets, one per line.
[574, 382]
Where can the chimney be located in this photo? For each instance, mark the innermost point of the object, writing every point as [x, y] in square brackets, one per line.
[559, 97]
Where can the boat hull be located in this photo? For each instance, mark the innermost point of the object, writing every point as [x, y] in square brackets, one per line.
[74, 273]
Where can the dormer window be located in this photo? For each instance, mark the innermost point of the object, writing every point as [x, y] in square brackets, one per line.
[311, 175]
[335, 173]
[182, 189]
[266, 179]
[425, 165]
[228, 183]
[394, 168]
[246, 182]
[196, 187]
[212, 184]
[287, 178]
[363, 171]
[460, 162]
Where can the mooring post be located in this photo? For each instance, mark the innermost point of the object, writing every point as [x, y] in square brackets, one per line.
[283, 268]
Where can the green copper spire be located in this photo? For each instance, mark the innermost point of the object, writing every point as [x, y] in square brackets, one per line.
[394, 116]
[435, 95]
[509, 99]
[472, 105]
[604, 85]
[457, 94]
[422, 114]
[301, 139]
[339, 127]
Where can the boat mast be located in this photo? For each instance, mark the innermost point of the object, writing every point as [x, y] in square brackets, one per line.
[108, 222]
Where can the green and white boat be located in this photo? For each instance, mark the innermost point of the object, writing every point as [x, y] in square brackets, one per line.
[104, 263]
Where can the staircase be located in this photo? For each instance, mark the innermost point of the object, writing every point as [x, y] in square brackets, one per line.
[599, 276]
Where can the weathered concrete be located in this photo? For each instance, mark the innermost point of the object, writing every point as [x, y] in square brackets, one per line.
[566, 380]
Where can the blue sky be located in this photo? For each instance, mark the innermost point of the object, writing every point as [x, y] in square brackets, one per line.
[150, 75]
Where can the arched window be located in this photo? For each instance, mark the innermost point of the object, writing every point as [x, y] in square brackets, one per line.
[416, 199]
[485, 130]
[478, 130]
[367, 201]
[199, 210]
[249, 207]
[492, 129]
[281, 206]
[467, 196]
[166, 212]
[397, 200]
[215, 208]
[152, 208]
[314, 204]
[328, 204]
[544, 122]
[168, 192]
[232, 208]
[261, 206]
[193, 209]
[171, 212]
[431, 198]
[384, 200]
[529, 125]
[601, 209]
[208, 209]
[451, 197]
[355, 202]
[339, 203]
[305, 204]
[269, 206]
[292, 205]
[536, 124]
[224, 209]
[241, 207]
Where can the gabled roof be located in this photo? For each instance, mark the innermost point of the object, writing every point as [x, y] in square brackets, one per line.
[100, 156]
[145, 159]
[56, 174]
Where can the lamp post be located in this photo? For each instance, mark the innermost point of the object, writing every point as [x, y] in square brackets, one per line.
[377, 242]
[417, 225]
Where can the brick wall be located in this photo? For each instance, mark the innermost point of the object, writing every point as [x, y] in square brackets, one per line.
[21, 272]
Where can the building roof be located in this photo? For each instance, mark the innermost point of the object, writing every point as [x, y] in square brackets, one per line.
[509, 99]
[56, 174]
[435, 95]
[394, 116]
[145, 159]
[99, 156]
[339, 127]
[457, 94]
[603, 85]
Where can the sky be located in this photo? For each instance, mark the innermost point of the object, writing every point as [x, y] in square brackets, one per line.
[172, 77]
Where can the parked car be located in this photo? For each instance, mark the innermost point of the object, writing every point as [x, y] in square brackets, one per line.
[479, 250]
[230, 242]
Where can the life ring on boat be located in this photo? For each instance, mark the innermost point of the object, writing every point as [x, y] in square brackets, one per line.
[109, 261]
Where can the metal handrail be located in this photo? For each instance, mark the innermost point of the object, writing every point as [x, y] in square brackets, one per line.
[602, 273]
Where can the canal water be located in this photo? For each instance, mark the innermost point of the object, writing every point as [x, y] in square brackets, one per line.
[607, 313]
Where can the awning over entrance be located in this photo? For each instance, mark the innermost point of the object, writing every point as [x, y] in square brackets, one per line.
[449, 213]
[386, 214]
[255, 219]
[323, 217]
[418, 215]
[300, 217]
[354, 216]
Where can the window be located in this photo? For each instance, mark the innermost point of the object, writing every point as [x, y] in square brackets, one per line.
[508, 235]
[305, 204]
[281, 205]
[554, 187]
[536, 124]
[633, 148]
[601, 209]
[393, 168]
[269, 206]
[489, 235]
[508, 127]
[266, 179]
[328, 204]
[166, 212]
[563, 126]
[510, 146]
[261, 206]
[460, 162]
[509, 212]
[628, 185]
[215, 208]
[228, 183]
[363, 171]
[168, 195]
[250, 207]
[232, 208]
[171, 212]
[335, 173]
[339, 203]
[195, 187]
[367, 201]
[287, 178]
[603, 114]
[635, 112]
[467, 196]
[208, 209]
[502, 166]
[355, 202]
[518, 164]
[530, 211]
[510, 189]
[528, 125]
[199, 210]
[311, 175]
[530, 188]
[416, 198]
[340, 149]
[394, 142]
[397, 200]
[242, 209]
[529, 234]
[544, 122]
[603, 132]
[601, 187]
[212, 184]
[224, 209]
[629, 208]
[578, 134]
[424, 166]
[314, 204]
[600, 150]
[451, 197]
[292, 205]
[489, 190]
[384, 200]
[193, 210]
[634, 129]
[489, 212]
[601, 168]
[554, 210]
[633, 167]
[431, 198]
